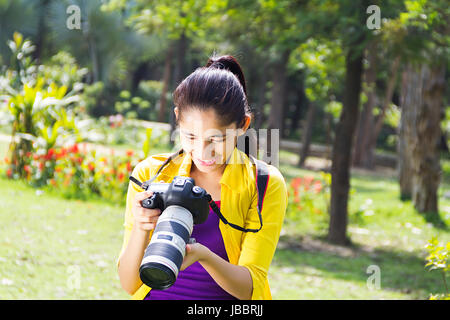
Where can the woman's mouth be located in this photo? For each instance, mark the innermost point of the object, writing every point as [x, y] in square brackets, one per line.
[206, 163]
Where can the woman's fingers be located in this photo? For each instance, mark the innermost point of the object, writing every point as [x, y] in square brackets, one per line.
[145, 218]
[141, 196]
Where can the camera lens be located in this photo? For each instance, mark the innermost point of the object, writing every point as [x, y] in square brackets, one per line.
[165, 253]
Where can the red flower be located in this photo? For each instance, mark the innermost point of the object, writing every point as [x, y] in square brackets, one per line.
[121, 176]
[9, 172]
[91, 166]
[27, 168]
[61, 153]
[51, 153]
[74, 148]
[130, 153]
[317, 187]
[296, 182]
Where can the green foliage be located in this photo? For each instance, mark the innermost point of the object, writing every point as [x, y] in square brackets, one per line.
[420, 31]
[438, 259]
[20, 16]
[63, 70]
[143, 104]
[323, 64]
[37, 106]
[334, 108]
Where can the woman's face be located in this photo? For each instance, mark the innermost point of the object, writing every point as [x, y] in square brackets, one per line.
[208, 143]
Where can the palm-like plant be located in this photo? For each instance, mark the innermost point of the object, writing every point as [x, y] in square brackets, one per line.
[36, 106]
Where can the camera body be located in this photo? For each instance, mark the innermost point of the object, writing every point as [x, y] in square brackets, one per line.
[182, 205]
[183, 192]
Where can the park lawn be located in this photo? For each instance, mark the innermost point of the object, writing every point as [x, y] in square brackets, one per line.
[384, 231]
[53, 248]
[47, 241]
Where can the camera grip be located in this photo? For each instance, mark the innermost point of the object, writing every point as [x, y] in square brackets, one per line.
[149, 203]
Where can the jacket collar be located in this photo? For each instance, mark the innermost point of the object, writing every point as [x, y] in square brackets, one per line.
[233, 176]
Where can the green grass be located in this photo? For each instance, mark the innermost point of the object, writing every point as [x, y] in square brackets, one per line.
[45, 238]
[385, 232]
[47, 241]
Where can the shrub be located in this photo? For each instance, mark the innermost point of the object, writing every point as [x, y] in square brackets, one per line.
[308, 199]
[437, 259]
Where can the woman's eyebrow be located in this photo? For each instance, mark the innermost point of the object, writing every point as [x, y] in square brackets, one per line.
[212, 136]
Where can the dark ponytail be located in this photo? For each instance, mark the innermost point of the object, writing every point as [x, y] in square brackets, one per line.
[228, 63]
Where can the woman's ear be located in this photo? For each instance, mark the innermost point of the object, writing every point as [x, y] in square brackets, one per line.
[176, 113]
[247, 122]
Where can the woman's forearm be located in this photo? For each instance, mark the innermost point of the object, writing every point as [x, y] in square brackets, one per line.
[131, 259]
[236, 280]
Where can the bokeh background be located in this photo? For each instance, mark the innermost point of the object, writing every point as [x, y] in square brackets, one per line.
[358, 90]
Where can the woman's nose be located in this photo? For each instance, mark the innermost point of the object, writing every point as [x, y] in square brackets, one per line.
[205, 149]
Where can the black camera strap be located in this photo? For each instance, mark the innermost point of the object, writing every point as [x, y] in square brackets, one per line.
[262, 181]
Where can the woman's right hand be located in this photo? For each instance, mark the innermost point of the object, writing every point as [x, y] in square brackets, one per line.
[144, 219]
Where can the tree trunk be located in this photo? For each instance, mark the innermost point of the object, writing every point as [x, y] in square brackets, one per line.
[166, 79]
[410, 95]
[340, 169]
[302, 102]
[363, 155]
[307, 132]
[277, 103]
[426, 116]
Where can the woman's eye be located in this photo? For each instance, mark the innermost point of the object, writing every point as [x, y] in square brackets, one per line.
[217, 140]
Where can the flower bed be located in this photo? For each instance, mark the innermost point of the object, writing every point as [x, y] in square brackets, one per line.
[77, 172]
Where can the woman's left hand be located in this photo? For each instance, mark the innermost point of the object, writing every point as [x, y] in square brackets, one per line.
[194, 252]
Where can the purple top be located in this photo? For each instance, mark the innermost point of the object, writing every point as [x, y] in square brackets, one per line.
[195, 283]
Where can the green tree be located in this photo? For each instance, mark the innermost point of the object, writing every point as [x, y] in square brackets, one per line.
[424, 26]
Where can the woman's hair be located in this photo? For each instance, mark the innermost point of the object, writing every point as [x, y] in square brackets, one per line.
[219, 85]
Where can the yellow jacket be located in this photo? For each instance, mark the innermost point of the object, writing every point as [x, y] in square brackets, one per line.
[239, 206]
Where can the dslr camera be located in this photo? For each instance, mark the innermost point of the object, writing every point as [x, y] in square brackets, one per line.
[182, 205]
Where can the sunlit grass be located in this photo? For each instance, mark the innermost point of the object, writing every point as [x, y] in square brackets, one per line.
[46, 240]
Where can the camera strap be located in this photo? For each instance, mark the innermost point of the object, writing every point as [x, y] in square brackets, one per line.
[262, 181]
[170, 158]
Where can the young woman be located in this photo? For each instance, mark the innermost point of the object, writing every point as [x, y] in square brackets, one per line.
[211, 111]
